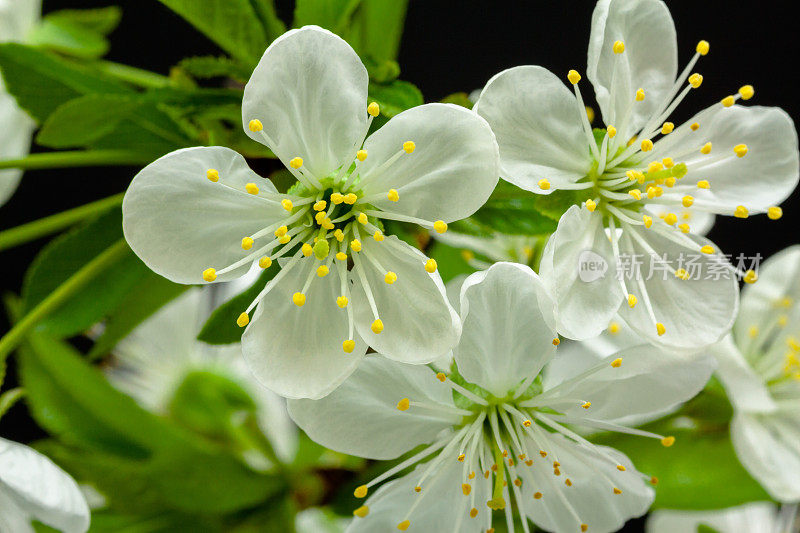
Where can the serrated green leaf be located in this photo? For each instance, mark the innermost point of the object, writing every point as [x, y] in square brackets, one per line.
[215, 67]
[83, 120]
[221, 328]
[332, 15]
[101, 20]
[395, 97]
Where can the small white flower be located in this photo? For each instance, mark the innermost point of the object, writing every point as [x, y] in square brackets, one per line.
[497, 432]
[17, 17]
[755, 517]
[643, 176]
[32, 487]
[759, 365]
[190, 214]
[155, 359]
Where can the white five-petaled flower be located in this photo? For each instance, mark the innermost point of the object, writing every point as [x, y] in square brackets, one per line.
[635, 177]
[759, 366]
[32, 487]
[202, 214]
[498, 431]
[753, 517]
[17, 17]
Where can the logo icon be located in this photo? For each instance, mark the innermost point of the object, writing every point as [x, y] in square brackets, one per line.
[591, 266]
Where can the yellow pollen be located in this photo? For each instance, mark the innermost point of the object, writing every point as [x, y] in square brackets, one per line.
[589, 114]
[377, 326]
[320, 206]
[441, 376]
[584, 527]
[613, 328]
[461, 458]
[670, 181]
[337, 198]
[702, 48]
[647, 145]
[740, 150]
[612, 132]
[518, 482]
[209, 275]
[296, 163]
[403, 404]
[707, 249]
[265, 262]
[537, 495]
[284, 239]
[390, 277]
[750, 277]
[746, 92]
[393, 195]
[361, 491]
[703, 184]
[362, 511]
[591, 205]
[586, 405]
[671, 218]
[695, 80]
[350, 198]
[616, 363]
[544, 184]
[409, 146]
[355, 244]
[529, 462]
[654, 480]
[322, 271]
[667, 441]
[648, 221]
[341, 301]
[556, 472]
[668, 162]
[526, 423]
[618, 47]
[373, 109]
[467, 255]
[621, 468]
[573, 77]
[247, 243]
[212, 175]
[362, 217]
[660, 329]
[440, 226]
[639, 95]
[255, 125]
[378, 236]
[417, 489]
[319, 217]
[361, 155]
[287, 204]
[341, 256]
[466, 488]
[568, 482]
[251, 188]
[473, 513]
[617, 491]
[655, 166]
[684, 227]
[774, 213]
[339, 234]
[706, 149]
[632, 300]
[348, 346]
[636, 193]
[556, 341]
[402, 526]
[782, 320]
[681, 273]
[430, 266]
[242, 320]
[299, 299]
[543, 453]
[741, 212]
[728, 101]
[687, 201]
[280, 232]
[307, 249]
[667, 128]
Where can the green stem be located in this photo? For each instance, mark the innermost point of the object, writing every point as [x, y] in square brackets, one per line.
[134, 76]
[77, 158]
[47, 225]
[63, 292]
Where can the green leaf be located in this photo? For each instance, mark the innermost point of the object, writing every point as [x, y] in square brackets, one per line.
[377, 28]
[195, 99]
[67, 38]
[221, 328]
[206, 67]
[41, 81]
[233, 25]
[333, 15]
[449, 260]
[395, 97]
[273, 26]
[83, 120]
[556, 203]
[461, 99]
[514, 216]
[102, 20]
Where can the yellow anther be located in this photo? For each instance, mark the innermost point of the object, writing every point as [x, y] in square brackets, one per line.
[621, 468]
[635, 193]
[362, 217]
[651, 192]
[670, 181]
[285, 239]
[740, 150]
[348, 346]
[378, 236]
[543, 453]
[617, 491]
[518, 482]
[390, 277]
[655, 166]
[403, 404]
[568, 482]
[209, 275]
[466, 488]
[320, 217]
[654, 480]
[299, 299]
[341, 256]
[707, 249]
[361, 512]
[746, 92]
[639, 95]
[668, 162]
[618, 47]
[322, 271]
[374, 109]
[461, 458]
[339, 235]
[702, 48]
[668, 441]
[337, 198]
[684, 227]
[355, 245]
[441, 376]
[251, 188]
[350, 198]
[616, 363]
[573, 77]
[647, 145]
[753, 332]
[255, 125]
[703, 184]
[774, 213]
[212, 175]
[296, 163]
[584, 527]
[361, 155]
[377, 326]
[782, 320]
[341, 301]
[544, 184]
[247, 243]
[660, 329]
[320, 206]
[467, 255]
[612, 132]
[409, 146]
[750, 276]
[589, 113]
[287, 204]
[430, 266]
[393, 195]
[280, 232]
[681, 273]
[741, 212]
[648, 221]
[537, 495]
[556, 341]
[526, 423]
[473, 512]
[591, 205]
[728, 101]
[440, 226]
[361, 491]
[695, 126]
[586, 405]
[671, 218]
[695, 80]
[307, 249]
[402, 526]
[687, 201]
[667, 128]
[632, 300]
[613, 328]
[265, 262]
[243, 320]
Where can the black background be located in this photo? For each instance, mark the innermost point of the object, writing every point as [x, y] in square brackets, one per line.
[453, 46]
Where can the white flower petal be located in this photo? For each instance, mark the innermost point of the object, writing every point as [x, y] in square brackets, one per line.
[449, 175]
[13, 519]
[591, 495]
[180, 223]
[419, 324]
[297, 351]
[649, 62]
[674, 301]
[41, 489]
[508, 324]
[15, 140]
[538, 128]
[754, 517]
[746, 390]
[17, 17]
[700, 222]
[310, 93]
[444, 506]
[768, 445]
[584, 308]
[361, 417]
